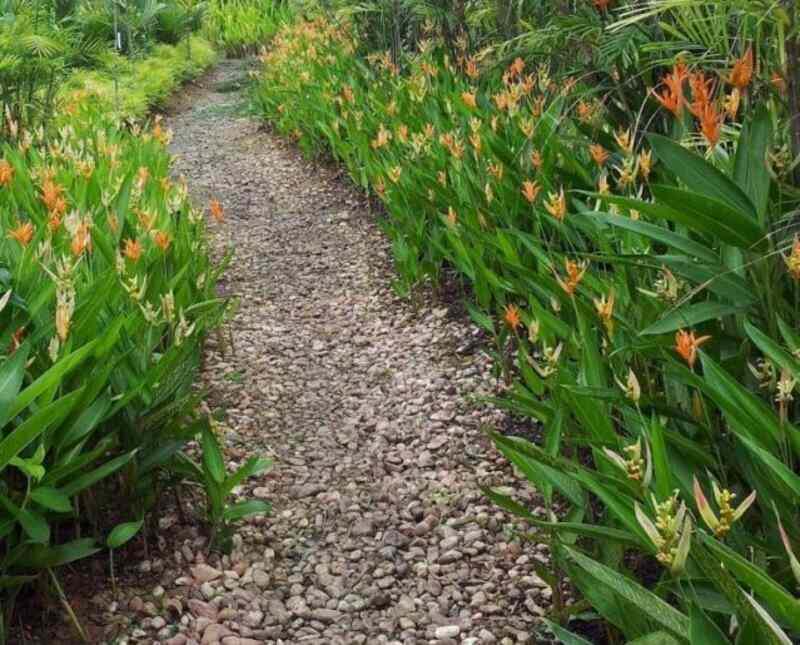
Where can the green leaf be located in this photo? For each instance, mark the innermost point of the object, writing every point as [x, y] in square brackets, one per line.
[785, 607]
[212, 456]
[12, 373]
[122, 533]
[724, 222]
[39, 556]
[656, 638]
[699, 175]
[245, 509]
[690, 315]
[84, 481]
[750, 165]
[51, 498]
[655, 609]
[46, 381]
[31, 428]
[659, 234]
[564, 637]
[703, 629]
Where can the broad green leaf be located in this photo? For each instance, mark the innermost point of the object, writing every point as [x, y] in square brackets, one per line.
[783, 605]
[723, 222]
[245, 509]
[212, 456]
[16, 441]
[43, 557]
[51, 498]
[653, 607]
[750, 165]
[47, 381]
[656, 638]
[703, 629]
[84, 481]
[701, 176]
[564, 637]
[659, 234]
[12, 373]
[122, 533]
[690, 315]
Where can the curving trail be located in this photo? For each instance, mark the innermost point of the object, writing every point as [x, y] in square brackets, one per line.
[379, 532]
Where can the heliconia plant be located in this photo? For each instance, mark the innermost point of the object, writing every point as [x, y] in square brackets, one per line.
[632, 258]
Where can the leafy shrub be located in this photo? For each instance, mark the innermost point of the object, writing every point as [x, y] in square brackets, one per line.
[639, 286]
[241, 27]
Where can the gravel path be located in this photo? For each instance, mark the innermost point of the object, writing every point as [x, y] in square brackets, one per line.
[379, 532]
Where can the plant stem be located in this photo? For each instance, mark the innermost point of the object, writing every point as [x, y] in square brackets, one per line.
[68, 607]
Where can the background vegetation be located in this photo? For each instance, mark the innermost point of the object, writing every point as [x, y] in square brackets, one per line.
[615, 184]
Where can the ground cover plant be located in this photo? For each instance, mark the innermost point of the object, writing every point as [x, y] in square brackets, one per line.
[624, 215]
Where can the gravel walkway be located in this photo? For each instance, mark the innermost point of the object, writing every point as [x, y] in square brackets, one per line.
[379, 532]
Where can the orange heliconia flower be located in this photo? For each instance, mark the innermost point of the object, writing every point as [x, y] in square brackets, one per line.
[742, 72]
[52, 197]
[22, 233]
[530, 190]
[702, 91]
[6, 172]
[132, 250]
[517, 67]
[672, 95]
[469, 99]
[81, 240]
[575, 272]
[217, 212]
[687, 344]
[556, 205]
[162, 239]
[536, 159]
[710, 124]
[512, 317]
[599, 154]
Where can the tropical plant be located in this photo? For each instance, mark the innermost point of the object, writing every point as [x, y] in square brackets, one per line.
[628, 244]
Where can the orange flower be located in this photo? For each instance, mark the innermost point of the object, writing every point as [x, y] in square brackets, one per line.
[22, 233]
[686, 344]
[793, 260]
[778, 82]
[142, 176]
[469, 99]
[601, 5]
[556, 205]
[599, 154]
[452, 216]
[52, 197]
[575, 272]
[81, 240]
[217, 212]
[6, 173]
[536, 159]
[517, 67]
[132, 250]
[530, 190]
[742, 72]
[702, 91]
[710, 124]
[471, 68]
[512, 317]
[162, 239]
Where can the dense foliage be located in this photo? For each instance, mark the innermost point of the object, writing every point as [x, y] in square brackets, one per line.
[614, 181]
[106, 289]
